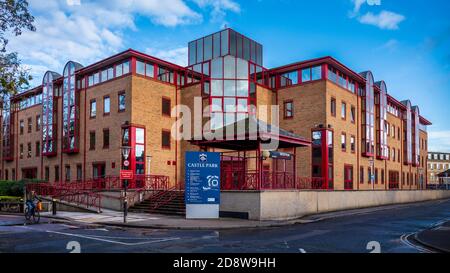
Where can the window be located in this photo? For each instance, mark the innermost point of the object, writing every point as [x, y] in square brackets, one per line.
[56, 173]
[21, 125]
[369, 175]
[106, 105]
[38, 122]
[29, 149]
[150, 70]
[92, 140]
[352, 144]
[105, 138]
[121, 101]
[166, 107]
[343, 142]
[30, 125]
[352, 114]
[393, 131]
[393, 154]
[376, 175]
[316, 73]
[361, 175]
[140, 67]
[382, 176]
[67, 172]
[93, 112]
[344, 110]
[306, 75]
[333, 107]
[38, 148]
[79, 172]
[21, 151]
[288, 109]
[165, 139]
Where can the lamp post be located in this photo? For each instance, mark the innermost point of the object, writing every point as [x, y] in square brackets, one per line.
[125, 153]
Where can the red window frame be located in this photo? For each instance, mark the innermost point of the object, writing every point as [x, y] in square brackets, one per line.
[348, 177]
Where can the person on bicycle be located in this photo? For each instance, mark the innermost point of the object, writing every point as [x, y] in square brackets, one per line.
[31, 202]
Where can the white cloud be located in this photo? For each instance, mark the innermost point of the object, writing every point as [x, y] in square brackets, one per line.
[384, 20]
[357, 5]
[439, 141]
[219, 8]
[176, 55]
[94, 29]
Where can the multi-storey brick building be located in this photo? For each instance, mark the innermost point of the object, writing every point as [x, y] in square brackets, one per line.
[72, 126]
[438, 162]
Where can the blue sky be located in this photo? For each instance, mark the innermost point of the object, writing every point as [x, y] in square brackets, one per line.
[405, 43]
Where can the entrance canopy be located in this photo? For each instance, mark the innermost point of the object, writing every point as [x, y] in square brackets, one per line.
[248, 134]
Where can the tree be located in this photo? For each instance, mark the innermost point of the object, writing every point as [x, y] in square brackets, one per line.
[14, 17]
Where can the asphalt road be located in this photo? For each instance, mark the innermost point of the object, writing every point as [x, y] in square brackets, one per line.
[384, 228]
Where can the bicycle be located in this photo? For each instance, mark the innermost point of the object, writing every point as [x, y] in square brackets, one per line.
[33, 215]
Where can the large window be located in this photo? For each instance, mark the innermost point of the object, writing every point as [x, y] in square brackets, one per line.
[225, 42]
[230, 96]
[367, 116]
[70, 109]
[381, 103]
[109, 73]
[407, 131]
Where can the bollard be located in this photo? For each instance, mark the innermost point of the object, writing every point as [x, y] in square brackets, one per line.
[53, 207]
[125, 210]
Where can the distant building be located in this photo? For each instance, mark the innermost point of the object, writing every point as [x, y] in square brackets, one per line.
[437, 163]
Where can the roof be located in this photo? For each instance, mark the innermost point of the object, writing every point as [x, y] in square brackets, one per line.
[246, 134]
[326, 59]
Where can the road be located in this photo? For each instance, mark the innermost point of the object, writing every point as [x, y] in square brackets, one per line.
[343, 234]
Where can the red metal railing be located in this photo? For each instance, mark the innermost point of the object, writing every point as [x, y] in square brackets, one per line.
[84, 192]
[270, 181]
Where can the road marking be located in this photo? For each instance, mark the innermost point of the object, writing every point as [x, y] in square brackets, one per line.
[108, 239]
[159, 240]
[404, 239]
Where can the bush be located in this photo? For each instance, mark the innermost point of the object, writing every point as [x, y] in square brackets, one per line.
[14, 188]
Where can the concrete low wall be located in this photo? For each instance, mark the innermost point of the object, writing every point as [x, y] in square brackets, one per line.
[272, 205]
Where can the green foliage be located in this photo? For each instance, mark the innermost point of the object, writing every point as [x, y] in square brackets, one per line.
[14, 188]
[10, 199]
[14, 17]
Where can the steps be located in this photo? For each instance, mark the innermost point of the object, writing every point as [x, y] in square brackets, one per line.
[162, 202]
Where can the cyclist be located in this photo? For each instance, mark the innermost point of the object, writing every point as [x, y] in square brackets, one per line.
[31, 202]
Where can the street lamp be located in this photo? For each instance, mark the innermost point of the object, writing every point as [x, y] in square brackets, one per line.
[125, 153]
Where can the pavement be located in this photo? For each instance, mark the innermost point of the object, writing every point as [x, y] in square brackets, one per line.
[437, 237]
[387, 230]
[158, 221]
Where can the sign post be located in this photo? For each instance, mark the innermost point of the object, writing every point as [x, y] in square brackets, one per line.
[202, 194]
